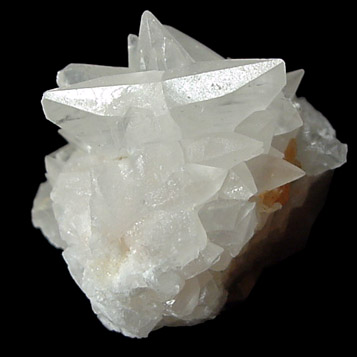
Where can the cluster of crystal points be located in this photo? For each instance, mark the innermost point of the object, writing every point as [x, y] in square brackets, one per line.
[157, 190]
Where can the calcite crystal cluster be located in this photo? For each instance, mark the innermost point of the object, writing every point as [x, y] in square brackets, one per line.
[173, 169]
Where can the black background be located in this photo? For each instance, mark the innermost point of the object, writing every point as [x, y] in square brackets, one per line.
[301, 303]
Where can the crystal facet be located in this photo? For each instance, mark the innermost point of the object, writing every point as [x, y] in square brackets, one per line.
[173, 166]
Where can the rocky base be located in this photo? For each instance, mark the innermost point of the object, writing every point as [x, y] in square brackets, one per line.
[285, 233]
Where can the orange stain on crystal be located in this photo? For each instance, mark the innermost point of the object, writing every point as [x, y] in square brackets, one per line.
[291, 152]
[281, 194]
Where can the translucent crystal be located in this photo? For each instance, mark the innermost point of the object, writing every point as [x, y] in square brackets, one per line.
[293, 81]
[270, 172]
[224, 150]
[156, 48]
[44, 218]
[321, 150]
[80, 72]
[168, 171]
[239, 183]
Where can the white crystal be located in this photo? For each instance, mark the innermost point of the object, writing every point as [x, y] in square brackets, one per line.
[293, 80]
[321, 150]
[239, 183]
[205, 260]
[224, 150]
[288, 118]
[229, 224]
[261, 126]
[158, 187]
[80, 72]
[155, 48]
[270, 172]
[43, 217]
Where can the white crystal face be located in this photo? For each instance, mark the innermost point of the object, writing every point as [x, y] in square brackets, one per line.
[158, 189]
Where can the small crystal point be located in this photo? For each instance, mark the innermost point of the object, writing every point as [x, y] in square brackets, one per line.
[78, 72]
[293, 81]
[156, 48]
[270, 172]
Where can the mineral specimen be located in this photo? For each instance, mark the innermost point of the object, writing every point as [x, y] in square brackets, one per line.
[176, 169]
